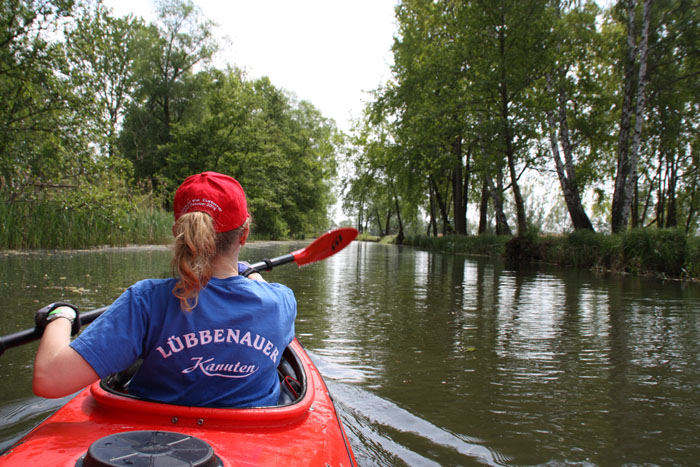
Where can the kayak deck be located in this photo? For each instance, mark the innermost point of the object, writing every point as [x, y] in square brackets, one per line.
[305, 432]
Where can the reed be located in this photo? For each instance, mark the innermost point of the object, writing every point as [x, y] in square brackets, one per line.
[655, 250]
[48, 225]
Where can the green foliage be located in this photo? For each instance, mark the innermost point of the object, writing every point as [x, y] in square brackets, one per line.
[281, 151]
[97, 209]
[167, 92]
[40, 133]
[57, 188]
[101, 117]
[660, 250]
[481, 92]
[591, 250]
[692, 263]
[102, 53]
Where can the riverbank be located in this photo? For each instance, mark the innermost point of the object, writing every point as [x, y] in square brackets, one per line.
[665, 253]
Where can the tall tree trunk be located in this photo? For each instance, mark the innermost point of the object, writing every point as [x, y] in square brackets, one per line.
[566, 171]
[360, 214]
[672, 170]
[433, 219]
[508, 145]
[634, 205]
[387, 229]
[691, 208]
[650, 192]
[460, 214]
[619, 222]
[379, 222]
[661, 195]
[465, 195]
[400, 235]
[628, 154]
[502, 227]
[641, 97]
[484, 208]
[693, 204]
[447, 227]
[517, 196]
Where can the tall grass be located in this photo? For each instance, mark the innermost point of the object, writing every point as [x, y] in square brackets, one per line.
[664, 252]
[47, 225]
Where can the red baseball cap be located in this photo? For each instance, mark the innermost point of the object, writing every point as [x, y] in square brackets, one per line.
[220, 196]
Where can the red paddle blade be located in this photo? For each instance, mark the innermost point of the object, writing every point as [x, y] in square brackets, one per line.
[324, 246]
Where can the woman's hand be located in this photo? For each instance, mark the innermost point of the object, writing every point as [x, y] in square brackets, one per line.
[58, 369]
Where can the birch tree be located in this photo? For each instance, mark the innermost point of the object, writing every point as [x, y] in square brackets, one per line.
[628, 151]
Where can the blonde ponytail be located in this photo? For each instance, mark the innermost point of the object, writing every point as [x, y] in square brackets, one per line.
[196, 244]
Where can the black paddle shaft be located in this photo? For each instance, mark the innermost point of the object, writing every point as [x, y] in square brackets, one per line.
[22, 337]
[267, 264]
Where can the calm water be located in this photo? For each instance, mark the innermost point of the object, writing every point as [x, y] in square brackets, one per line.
[438, 359]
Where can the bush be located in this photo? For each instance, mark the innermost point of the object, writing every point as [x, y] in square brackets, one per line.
[524, 248]
[658, 250]
[667, 252]
[692, 265]
[365, 237]
[588, 249]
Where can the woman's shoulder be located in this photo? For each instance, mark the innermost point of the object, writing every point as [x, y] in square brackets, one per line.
[149, 286]
[276, 292]
[274, 286]
[238, 284]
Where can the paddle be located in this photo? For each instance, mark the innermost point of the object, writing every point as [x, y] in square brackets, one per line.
[324, 246]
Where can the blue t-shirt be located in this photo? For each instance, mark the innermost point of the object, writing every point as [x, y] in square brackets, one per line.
[224, 353]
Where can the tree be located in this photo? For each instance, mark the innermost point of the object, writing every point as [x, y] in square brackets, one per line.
[36, 120]
[429, 105]
[668, 176]
[103, 53]
[628, 152]
[570, 72]
[168, 54]
[281, 151]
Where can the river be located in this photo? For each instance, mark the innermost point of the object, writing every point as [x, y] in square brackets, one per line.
[438, 359]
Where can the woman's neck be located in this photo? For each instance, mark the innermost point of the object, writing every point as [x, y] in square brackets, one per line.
[225, 264]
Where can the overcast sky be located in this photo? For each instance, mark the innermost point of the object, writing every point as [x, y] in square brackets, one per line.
[329, 52]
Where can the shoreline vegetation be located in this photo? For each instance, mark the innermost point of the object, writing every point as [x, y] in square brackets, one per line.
[50, 226]
[662, 253]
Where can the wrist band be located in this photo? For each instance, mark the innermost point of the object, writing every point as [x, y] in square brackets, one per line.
[62, 312]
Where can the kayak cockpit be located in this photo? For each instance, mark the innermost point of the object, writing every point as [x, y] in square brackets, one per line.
[296, 398]
[290, 370]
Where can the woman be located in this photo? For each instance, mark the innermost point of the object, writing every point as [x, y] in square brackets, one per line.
[208, 337]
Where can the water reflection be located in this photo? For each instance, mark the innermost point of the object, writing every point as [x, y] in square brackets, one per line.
[538, 365]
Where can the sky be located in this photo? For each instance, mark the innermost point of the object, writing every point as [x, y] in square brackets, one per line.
[329, 52]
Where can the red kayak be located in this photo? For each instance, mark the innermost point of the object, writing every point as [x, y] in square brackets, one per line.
[104, 426]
